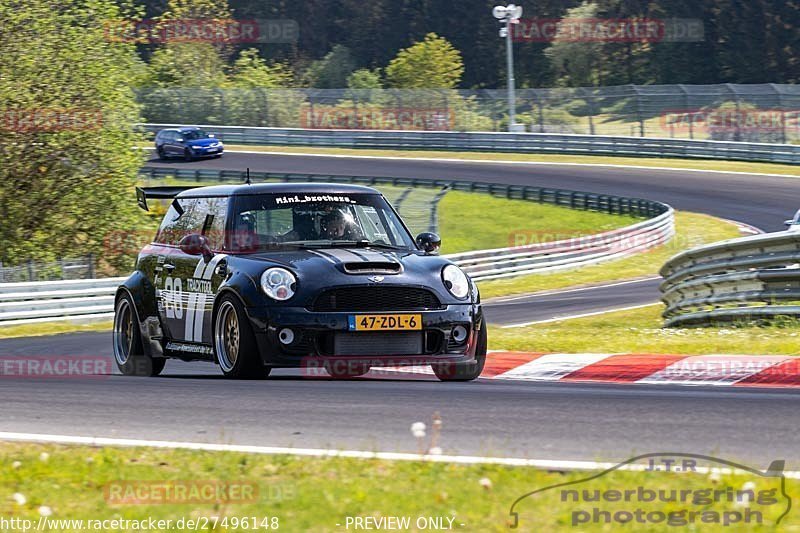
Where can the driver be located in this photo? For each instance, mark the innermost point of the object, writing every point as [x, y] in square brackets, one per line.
[337, 225]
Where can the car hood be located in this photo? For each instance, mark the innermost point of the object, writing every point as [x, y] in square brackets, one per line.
[319, 269]
[202, 142]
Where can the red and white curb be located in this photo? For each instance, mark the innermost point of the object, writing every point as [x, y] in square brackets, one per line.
[650, 369]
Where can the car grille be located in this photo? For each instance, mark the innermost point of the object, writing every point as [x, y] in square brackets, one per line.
[378, 343]
[376, 299]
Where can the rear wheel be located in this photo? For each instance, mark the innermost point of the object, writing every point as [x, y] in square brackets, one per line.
[465, 371]
[128, 352]
[234, 343]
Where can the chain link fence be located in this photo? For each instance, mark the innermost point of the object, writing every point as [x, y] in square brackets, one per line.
[63, 269]
[730, 112]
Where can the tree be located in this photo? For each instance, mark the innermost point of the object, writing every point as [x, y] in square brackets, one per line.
[331, 71]
[258, 94]
[576, 63]
[251, 70]
[432, 63]
[68, 163]
[364, 79]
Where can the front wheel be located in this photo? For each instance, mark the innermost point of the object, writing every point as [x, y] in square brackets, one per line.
[128, 351]
[188, 156]
[465, 371]
[161, 153]
[234, 343]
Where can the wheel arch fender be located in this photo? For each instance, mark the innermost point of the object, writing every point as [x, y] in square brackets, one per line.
[145, 305]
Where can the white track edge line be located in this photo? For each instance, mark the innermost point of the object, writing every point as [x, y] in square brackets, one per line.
[508, 162]
[504, 299]
[322, 452]
[582, 315]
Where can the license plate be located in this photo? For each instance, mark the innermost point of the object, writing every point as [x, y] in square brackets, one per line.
[384, 322]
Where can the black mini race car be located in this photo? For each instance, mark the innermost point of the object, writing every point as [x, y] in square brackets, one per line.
[262, 276]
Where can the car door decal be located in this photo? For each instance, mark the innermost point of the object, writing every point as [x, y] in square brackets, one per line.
[199, 289]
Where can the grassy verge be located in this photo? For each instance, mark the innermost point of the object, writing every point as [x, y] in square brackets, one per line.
[316, 494]
[692, 230]
[699, 164]
[470, 221]
[52, 328]
[639, 331]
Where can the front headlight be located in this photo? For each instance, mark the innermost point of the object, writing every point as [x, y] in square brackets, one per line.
[455, 281]
[278, 283]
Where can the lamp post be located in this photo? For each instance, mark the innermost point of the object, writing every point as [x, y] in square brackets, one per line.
[509, 15]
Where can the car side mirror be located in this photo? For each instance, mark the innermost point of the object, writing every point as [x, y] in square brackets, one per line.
[789, 222]
[179, 139]
[429, 242]
[196, 244]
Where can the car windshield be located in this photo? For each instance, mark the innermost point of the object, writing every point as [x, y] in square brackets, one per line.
[192, 135]
[316, 220]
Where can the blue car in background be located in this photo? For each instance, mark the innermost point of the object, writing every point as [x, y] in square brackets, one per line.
[187, 143]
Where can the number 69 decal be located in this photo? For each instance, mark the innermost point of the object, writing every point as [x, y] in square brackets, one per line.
[173, 298]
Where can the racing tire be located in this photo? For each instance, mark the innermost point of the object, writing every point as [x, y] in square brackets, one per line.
[465, 371]
[234, 343]
[188, 156]
[344, 370]
[161, 154]
[127, 342]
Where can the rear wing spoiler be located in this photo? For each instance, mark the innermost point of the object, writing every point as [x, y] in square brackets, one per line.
[157, 193]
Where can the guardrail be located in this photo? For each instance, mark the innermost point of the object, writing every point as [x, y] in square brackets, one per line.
[744, 279]
[568, 253]
[84, 300]
[504, 142]
[48, 301]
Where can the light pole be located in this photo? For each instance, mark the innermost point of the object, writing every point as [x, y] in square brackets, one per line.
[509, 15]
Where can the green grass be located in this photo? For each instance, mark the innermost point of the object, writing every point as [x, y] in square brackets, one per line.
[470, 221]
[316, 494]
[51, 328]
[699, 164]
[692, 230]
[640, 331]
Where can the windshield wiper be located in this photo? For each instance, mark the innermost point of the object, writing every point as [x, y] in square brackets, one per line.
[364, 243]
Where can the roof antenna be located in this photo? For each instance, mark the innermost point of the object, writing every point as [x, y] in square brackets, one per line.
[247, 179]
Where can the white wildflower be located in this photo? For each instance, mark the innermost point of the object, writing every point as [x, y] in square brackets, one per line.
[486, 483]
[418, 430]
[20, 499]
[45, 511]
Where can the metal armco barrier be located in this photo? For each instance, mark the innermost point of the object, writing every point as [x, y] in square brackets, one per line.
[568, 253]
[504, 142]
[84, 300]
[49, 301]
[744, 279]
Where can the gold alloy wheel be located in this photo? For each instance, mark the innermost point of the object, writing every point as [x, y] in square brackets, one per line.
[227, 336]
[123, 331]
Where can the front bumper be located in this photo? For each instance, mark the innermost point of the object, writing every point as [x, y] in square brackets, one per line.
[314, 334]
[207, 152]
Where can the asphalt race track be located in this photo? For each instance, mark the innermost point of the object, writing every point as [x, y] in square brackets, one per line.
[576, 421]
